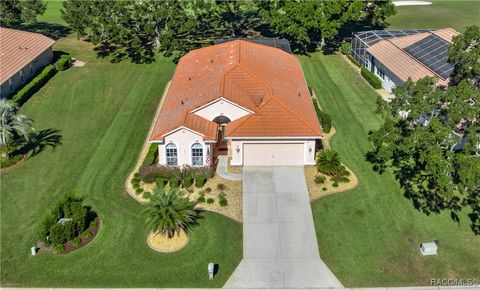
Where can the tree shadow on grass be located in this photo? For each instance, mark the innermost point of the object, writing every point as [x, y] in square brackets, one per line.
[38, 141]
[52, 30]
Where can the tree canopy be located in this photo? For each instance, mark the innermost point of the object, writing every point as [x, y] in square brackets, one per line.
[431, 140]
[14, 12]
[136, 29]
[465, 55]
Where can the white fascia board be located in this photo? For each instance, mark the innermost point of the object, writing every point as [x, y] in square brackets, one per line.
[221, 99]
[186, 128]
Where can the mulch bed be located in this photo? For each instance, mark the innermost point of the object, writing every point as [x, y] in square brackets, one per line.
[68, 246]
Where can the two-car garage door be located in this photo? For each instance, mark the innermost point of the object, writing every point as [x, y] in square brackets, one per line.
[273, 154]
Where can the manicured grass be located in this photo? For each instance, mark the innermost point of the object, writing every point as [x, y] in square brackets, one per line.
[52, 13]
[103, 111]
[370, 236]
[441, 14]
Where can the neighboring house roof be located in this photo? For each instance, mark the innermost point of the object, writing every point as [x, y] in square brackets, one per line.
[18, 49]
[259, 78]
[281, 43]
[397, 54]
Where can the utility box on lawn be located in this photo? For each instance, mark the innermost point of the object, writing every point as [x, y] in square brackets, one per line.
[211, 268]
[428, 249]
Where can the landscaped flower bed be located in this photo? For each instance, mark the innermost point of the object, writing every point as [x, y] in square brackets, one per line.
[200, 184]
[70, 225]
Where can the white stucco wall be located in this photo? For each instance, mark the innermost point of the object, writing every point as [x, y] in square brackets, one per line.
[309, 156]
[221, 107]
[183, 139]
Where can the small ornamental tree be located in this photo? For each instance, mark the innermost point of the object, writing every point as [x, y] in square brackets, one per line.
[328, 162]
[169, 213]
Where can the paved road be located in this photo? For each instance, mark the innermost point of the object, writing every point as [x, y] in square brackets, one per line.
[279, 242]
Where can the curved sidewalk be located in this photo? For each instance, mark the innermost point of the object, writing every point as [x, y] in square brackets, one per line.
[222, 170]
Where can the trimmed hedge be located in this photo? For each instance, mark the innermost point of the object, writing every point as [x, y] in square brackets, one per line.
[200, 181]
[187, 181]
[371, 78]
[353, 60]
[63, 62]
[345, 48]
[34, 85]
[324, 118]
[151, 155]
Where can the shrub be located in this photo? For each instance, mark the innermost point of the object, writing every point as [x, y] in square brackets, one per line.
[324, 118]
[76, 242]
[371, 78]
[223, 201]
[201, 199]
[210, 200]
[147, 195]
[320, 179]
[328, 162]
[339, 179]
[160, 182]
[353, 60]
[324, 188]
[34, 85]
[152, 155]
[196, 171]
[136, 175]
[221, 186]
[173, 183]
[93, 224]
[345, 48]
[335, 184]
[326, 121]
[150, 173]
[190, 190]
[63, 62]
[136, 185]
[200, 181]
[76, 218]
[187, 181]
[59, 249]
[139, 190]
[87, 234]
[208, 190]
[222, 195]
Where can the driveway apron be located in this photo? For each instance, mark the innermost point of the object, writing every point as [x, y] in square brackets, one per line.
[279, 243]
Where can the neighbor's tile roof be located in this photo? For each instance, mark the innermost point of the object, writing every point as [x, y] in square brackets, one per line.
[19, 48]
[390, 52]
[263, 79]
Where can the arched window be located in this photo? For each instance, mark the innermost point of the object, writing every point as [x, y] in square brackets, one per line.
[171, 154]
[197, 154]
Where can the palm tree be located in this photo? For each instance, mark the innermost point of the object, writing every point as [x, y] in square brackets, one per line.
[170, 212]
[328, 162]
[12, 126]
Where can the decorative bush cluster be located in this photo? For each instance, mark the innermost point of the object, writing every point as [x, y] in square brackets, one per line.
[76, 218]
[320, 179]
[64, 62]
[371, 78]
[346, 48]
[151, 173]
[324, 118]
[353, 60]
[328, 162]
[34, 85]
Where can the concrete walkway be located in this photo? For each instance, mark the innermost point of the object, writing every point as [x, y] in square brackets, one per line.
[279, 243]
[222, 169]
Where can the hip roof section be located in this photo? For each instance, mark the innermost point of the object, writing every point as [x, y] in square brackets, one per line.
[19, 48]
[248, 74]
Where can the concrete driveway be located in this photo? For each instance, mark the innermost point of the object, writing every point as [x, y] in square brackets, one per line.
[279, 242]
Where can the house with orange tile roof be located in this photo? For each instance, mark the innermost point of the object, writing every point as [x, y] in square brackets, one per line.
[395, 56]
[22, 55]
[242, 99]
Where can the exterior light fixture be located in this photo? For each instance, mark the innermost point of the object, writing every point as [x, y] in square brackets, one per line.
[238, 149]
[310, 148]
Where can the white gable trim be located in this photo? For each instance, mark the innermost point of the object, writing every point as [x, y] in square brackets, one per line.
[221, 99]
[178, 129]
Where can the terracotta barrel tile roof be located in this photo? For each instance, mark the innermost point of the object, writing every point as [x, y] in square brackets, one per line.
[263, 79]
[19, 48]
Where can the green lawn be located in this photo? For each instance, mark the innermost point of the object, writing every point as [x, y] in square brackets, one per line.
[52, 13]
[369, 236]
[441, 14]
[103, 111]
